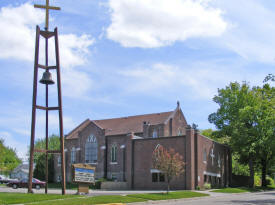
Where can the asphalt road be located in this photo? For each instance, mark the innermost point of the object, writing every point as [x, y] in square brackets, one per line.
[259, 198]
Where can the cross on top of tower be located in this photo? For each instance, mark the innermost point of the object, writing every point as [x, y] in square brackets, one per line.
[47, 7]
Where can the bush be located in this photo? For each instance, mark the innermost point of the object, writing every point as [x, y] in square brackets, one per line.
[198, 188]
[269, 181]
[257, 180]
[97, 184]
[207, 186]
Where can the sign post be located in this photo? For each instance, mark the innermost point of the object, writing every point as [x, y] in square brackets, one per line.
[83, 175]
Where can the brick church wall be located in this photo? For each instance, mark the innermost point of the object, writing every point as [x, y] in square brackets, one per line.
[207, 166]
[143, 150]
[116, 170]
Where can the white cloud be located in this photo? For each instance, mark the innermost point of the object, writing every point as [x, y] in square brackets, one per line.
[17, 36]
[155, 23]
[198, 80]
[252, 33]
[17, 42]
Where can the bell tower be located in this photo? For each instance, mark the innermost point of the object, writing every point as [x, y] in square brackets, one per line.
[47, 81]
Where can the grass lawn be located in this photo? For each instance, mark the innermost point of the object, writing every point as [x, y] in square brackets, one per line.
[16, 198]
[171, 195]
[93, 200]
[232, 190]
[243, 189]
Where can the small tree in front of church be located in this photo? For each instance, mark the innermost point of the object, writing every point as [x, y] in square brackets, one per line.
[168, 162]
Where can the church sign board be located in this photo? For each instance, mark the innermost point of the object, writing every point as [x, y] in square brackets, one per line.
[83, 175]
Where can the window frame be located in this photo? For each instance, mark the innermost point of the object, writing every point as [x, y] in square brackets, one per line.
[73, 155]
[114, 154]
[204, 156]
[91, 150]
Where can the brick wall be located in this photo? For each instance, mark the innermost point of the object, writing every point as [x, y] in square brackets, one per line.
[143, 150]
[215, 172]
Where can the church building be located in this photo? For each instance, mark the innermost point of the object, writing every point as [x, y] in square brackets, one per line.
[121, 149]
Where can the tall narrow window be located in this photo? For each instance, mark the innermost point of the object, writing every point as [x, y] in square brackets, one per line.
[114, 153]
[170, 127]
[59, 161]
[73, 157]
[204, 155]
[155, 133]
[219, 160]
[91, 150]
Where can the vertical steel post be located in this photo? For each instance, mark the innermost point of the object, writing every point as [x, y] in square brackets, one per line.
[60, 113]
[35, 75]
[47, 117]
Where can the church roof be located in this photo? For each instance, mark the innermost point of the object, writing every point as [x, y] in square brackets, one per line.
[74, 133]
[123, 125]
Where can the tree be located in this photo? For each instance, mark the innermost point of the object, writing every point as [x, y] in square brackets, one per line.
[169, 162]
[39, 158]
[246, 117]
[263, 116]
[8, 158]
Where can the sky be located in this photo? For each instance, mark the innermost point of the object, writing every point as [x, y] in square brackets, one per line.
[130, 57]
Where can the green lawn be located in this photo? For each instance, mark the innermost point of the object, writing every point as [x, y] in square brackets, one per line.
[171, 195]
[16, 198]
[93, 200]
[243, 189]
[232, 190]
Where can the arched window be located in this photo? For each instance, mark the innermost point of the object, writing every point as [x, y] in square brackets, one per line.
[114, 153]
[73, 155]
[91, 150]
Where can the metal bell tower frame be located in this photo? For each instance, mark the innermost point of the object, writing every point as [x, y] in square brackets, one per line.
[47, 81]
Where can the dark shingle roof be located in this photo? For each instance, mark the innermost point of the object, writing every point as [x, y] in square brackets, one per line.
[122, 125]
[125, 125]
[74, 133]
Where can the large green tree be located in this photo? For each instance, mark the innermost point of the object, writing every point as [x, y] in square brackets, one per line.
[8, 158]
[39, 159]
[246, 117]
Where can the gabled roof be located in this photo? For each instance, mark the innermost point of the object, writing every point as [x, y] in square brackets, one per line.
[125, 125]
[74, 133]
[122, 125]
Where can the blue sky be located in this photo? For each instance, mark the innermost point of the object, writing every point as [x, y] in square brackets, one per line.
[129, 57]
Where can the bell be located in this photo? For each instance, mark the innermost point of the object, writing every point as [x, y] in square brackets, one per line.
[47, 78]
